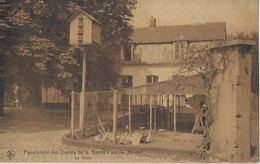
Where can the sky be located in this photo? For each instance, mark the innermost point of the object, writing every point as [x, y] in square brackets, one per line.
[239, 15]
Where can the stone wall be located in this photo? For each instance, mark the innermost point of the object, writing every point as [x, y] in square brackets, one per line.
[230, 131]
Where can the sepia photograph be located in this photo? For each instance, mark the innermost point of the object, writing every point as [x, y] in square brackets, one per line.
[129, 81]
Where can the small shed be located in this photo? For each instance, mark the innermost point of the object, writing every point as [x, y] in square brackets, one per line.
[84, 29]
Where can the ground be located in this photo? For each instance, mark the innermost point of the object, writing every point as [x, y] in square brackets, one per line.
[34, 135]
[23, 144]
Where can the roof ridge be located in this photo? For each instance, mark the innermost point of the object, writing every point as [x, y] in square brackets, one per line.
[195, 24]
[84, 12]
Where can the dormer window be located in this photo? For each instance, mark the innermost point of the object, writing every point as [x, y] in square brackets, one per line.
[179, 51]
[127, 53]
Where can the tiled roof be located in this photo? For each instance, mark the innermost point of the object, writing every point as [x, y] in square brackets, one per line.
[192, 32]
[179, 86]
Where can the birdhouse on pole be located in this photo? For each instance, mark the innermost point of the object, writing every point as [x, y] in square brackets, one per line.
[84, 29]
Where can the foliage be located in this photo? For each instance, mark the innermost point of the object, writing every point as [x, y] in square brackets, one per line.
[202, 60]
[102, 61]
[37, 51]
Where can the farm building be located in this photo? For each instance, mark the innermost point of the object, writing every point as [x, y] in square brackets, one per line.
[150, 107]
[153, 100]
[154, 52]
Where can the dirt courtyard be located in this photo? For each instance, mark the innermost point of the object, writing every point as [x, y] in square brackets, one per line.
[34, 135]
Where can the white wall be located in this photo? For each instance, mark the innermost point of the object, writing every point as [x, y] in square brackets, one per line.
[139, 72]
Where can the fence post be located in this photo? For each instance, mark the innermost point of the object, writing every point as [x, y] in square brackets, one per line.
[174, 114]
[95, 112]
[168, 113]
[82, 107]
[162, 112]
[151, 114]
[129, 113]
[179, 103]
[114, 116]
[142, 101]
[82, 95]
[155, 110]
[72, 113]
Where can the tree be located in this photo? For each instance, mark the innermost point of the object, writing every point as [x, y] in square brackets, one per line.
[37, 53]
[4, 31]
[102, 61]
[29, 56]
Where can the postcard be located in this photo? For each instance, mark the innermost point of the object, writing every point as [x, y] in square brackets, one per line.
[133, 81]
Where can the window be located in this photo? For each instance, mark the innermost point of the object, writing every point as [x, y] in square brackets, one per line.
[179, 51]
[127, 50]
[151, 79]
[126, 81]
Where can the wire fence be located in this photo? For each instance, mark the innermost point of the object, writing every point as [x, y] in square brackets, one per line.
[94, 112]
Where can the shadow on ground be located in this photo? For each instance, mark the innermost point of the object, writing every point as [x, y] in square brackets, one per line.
[30, 120]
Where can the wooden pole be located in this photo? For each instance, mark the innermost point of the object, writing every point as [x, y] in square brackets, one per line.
[133, 99]
[151, 114]
[168, 113]
[81, 112]
[122, 107]
[82, 95]
[196, 122]
[114, 116]
[174, 114]
[161, 110]
[72, 113]
[179, 107]
[95, 112]
[46, 95]
[129, 113]
[142, 101]
[155, 110]
[84, 69]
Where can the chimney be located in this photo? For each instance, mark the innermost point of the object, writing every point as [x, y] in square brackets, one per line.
[152, 22]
